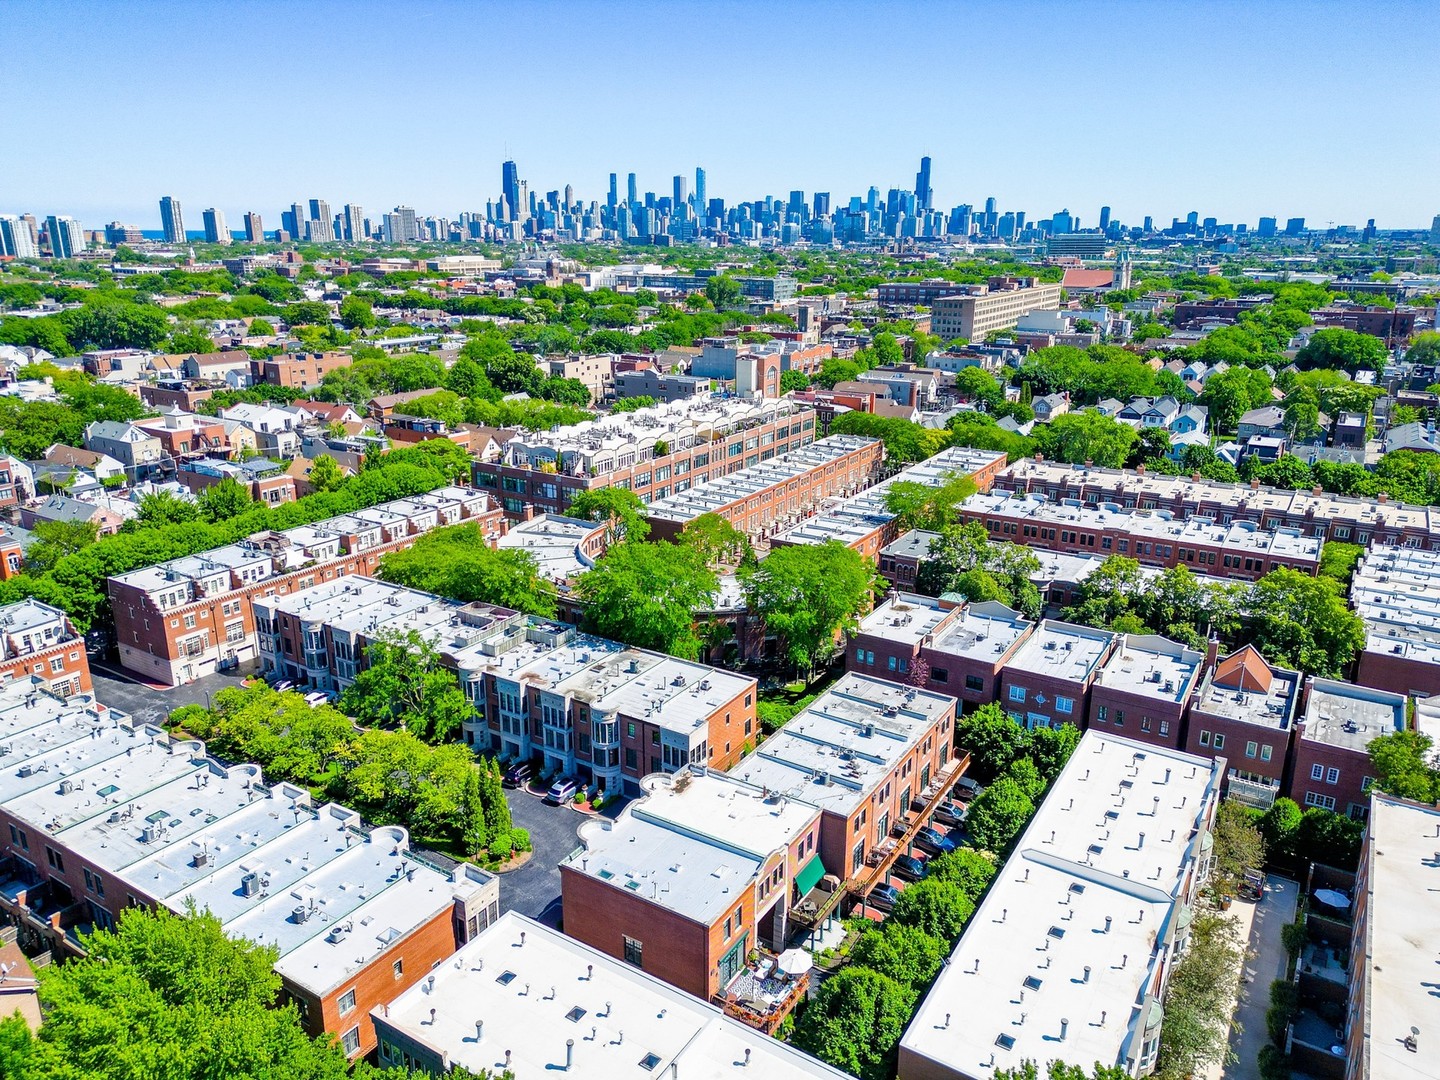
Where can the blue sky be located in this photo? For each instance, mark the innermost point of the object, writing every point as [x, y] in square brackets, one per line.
[1323, 109]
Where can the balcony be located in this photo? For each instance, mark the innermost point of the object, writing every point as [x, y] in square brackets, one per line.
[761, 996]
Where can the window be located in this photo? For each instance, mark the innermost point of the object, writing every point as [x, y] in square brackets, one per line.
[347, 1002]
[1017, 693]
[1265, 752]
[633, 950]
[1332, 776]
[399, 966]
[1164, 728]
[630, 729]
[1251, 749]
[1064, 704]
[1317, 772]
[1204, 738]
[1314, 798]
[351, 1041]
[18, 837]
[1144, 722]
[1366, 784]
[1102, 713]
[55, 859]
[1219, 741]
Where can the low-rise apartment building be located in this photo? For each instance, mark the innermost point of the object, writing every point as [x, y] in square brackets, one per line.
[529, 1000]
[188, 617]
[1070, 953]
[1154, 538]
[39, 642]
[298, 369]
[958, 649]
[1244, 710]
[99, 813]
[1046, 681]
[264, 480]
[774, 493]
[1331, 766]
[1392, 1007]
[1314, 513]
[704, 868]
[139, 451]
[182, 434]
[862, 751]
[862, 522]
[969, 312]
[585, 705]
[655, 452]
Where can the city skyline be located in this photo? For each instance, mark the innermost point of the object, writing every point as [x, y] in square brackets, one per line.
[1046, 138]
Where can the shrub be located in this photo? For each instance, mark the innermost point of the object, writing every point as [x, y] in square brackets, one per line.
[1292, 935]
[519, 839]
[1284, 1002]
[1274, 1065]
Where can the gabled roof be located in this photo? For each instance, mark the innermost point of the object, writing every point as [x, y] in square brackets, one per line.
[1244, 669]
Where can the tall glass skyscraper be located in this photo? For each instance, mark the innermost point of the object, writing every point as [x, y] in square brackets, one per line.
[171, 221]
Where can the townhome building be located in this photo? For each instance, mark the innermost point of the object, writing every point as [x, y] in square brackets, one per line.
[181, 619]
[1331, 760]
[100, 813]
[38, 642]
[1047, 680]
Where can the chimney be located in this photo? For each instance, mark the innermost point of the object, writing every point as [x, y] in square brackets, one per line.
[1141, 844]
[1382, 497]
[1212, 653]
[1255, 484]
[1089, 463]
[479, 1030]
[569, 1053]
[1139, 469]
[1317, 490]
[1039, 457]
[1195, 477]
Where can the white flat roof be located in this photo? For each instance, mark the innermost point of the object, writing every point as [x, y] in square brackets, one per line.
[1349, 716]
[1402, 923]
[1099, 872]
[536, 995]
[1062, 650]
[553, 542]
[1151, 666]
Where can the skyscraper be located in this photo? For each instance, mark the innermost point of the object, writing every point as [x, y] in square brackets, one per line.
[171, 221]
[293, 220]
[1267, 227]
[254, 228]
[401, 227]
[319, 210]
[630, 192]
[216, 231]
[822, 204]
[1104, 218]
[66, 237]
[510, 189]
[699, 191]
[614, 197]
[1435, 229]
[681, 192]
[320, 230]
[924, 197]
[15, 239]
[354, 223]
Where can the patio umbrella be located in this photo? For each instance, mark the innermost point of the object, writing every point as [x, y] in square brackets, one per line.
[795, 961]
[1332, 898]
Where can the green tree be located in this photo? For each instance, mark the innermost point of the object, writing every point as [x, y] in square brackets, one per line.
[172, 998]
[1279, 827]
[965, 560]
[791, 381]
[855, 1022]
[992, 739]
[1198, 1002]
[190, 339]
[1239, 846]
[717, 541]
[646, 595]
[621, 507]
[1086, 436]
[1344, 350]
[978, 385]
[1406, 766]
[163, 508]
[457, 561]
[1330, 838]
[405, 684]
[901, 952]
[631, 404]
[926, 506]
[515, 373]
[115, 326]
[1230, 394]
[970, 869]
[723, 292]
[223, 501]
[998, 815]
[325, 474]
[807, 594]
[56, 539]
[939, 908]
[1303, 622]
[356, 313]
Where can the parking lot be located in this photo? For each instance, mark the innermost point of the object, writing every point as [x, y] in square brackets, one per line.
[146, 703]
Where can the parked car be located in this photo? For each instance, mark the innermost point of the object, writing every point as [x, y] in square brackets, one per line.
[561, 791]
[934, 841]
[909, 867]
[316, 699]
[883, 896]
[967, 789]
[283, 685]
[950, 813]
[517, 775]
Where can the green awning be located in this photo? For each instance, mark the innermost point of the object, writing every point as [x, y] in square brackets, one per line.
[810, 874]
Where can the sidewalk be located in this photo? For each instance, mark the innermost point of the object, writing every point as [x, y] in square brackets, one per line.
[1266, 961]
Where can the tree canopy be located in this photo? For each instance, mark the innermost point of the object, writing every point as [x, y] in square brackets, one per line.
[457, 561]
[807, 594]
[646, 595]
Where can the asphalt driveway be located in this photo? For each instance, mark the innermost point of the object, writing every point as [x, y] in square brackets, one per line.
[147, 703]
[534, 889]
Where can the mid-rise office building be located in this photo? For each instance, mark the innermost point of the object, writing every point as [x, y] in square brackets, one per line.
[179, 620]
[1070, 953]
[103, 813]
[972, 311]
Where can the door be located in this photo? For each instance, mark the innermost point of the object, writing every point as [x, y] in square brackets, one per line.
[730, 963]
